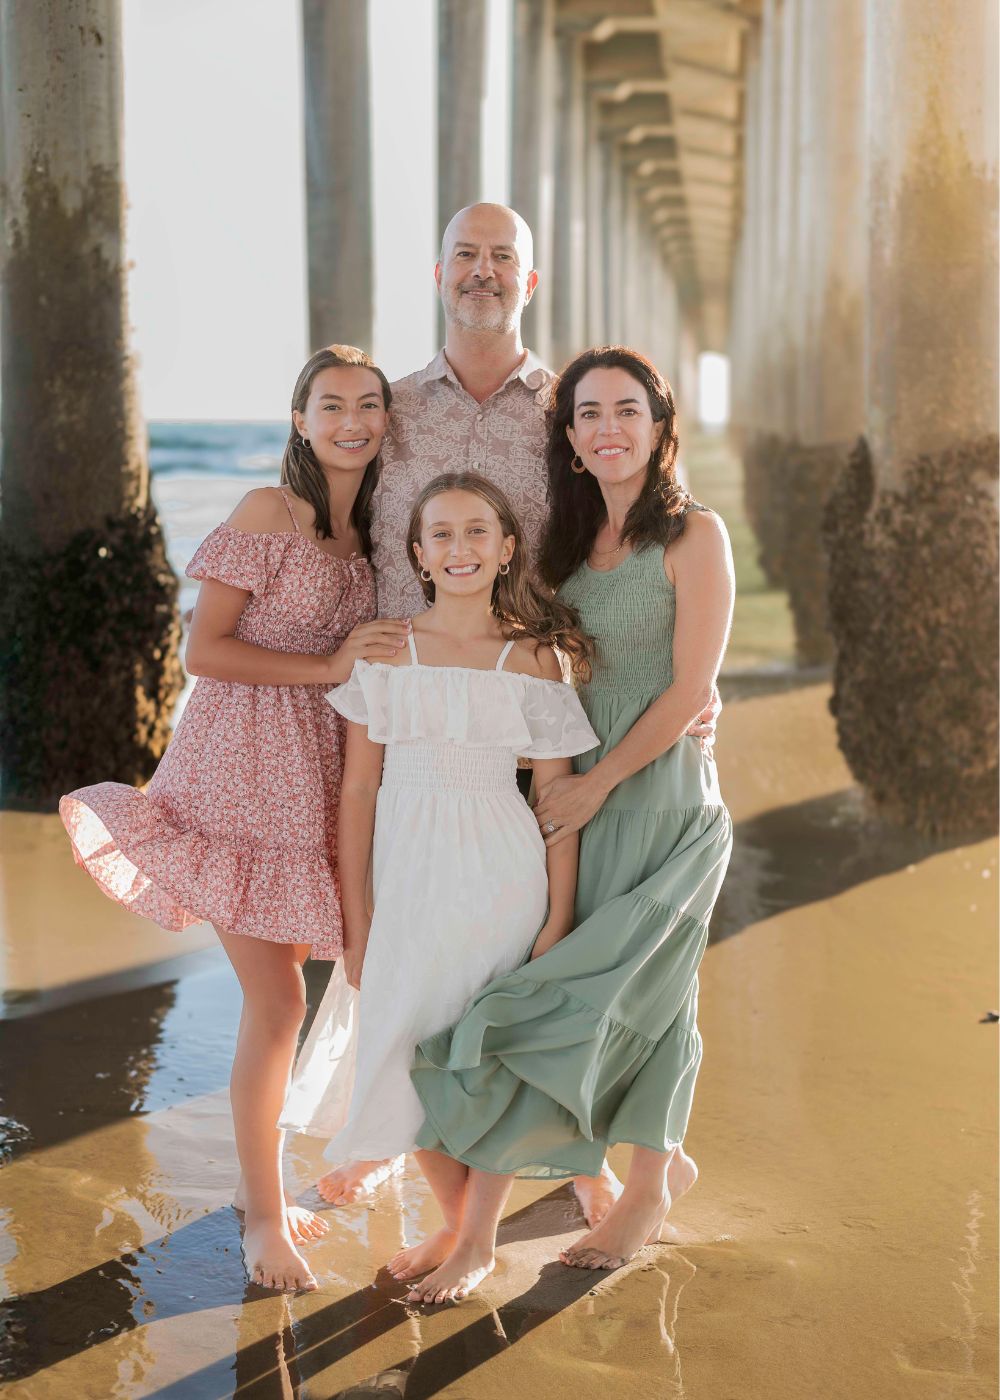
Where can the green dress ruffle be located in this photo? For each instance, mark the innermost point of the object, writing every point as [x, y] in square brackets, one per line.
[597, 1042]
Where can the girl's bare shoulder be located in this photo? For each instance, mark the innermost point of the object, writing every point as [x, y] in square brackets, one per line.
[529, 657]
[261, 512]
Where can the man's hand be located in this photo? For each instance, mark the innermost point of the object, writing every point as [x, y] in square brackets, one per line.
[703, 727]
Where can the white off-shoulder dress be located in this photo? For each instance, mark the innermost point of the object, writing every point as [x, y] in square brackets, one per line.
[460, 884]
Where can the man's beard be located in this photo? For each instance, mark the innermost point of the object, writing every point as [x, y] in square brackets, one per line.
[498, 315]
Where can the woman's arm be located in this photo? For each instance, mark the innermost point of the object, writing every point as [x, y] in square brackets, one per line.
[213, 650]
[355, 834]
[704, 581]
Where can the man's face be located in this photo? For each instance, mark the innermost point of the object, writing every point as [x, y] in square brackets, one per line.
[484, 277]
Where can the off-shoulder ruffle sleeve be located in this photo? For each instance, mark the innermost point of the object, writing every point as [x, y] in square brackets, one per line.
[556, 721]
[239, 558]
[492, 709]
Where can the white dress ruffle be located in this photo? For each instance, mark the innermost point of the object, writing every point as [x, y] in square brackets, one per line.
[459, 879]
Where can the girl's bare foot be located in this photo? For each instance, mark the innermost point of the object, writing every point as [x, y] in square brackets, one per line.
[272, 1261]
[304, 1225]
[355, 1180]
[629, 1225]
[597, 1194]
[419, 1258]
[464, 1269]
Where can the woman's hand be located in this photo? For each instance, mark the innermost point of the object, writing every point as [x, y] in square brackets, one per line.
[703, 728]
[548, 936]
[566, 805]
[369, 641]
[354, 959]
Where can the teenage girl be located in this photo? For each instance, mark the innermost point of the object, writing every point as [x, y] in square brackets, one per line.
[238, 825]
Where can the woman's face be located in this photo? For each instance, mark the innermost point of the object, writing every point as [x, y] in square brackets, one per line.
[344, 419]
[462, 543]
[613, 431]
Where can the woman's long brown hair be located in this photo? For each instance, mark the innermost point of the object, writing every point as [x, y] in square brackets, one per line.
[576, 506]
[299, 467]
[522, 608]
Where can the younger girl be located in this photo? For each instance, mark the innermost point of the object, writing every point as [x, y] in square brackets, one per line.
[239, 821]
[463, 885]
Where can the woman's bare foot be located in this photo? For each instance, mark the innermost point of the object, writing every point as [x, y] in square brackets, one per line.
[629, 1225]
[417, 1259]
[272, 1261]
[355, 1180]
[597, 1194]
[464, 1269]
[304, 1225]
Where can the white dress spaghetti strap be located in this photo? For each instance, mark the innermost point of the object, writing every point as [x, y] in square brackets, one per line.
[459, 879]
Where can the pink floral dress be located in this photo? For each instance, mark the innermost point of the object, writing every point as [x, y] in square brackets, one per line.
[238, 825]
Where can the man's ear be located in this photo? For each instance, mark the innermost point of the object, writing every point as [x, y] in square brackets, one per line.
[437, 275]
[531, 284]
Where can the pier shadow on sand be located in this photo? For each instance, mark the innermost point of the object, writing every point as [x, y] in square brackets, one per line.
[55, 1324]
[812, 851]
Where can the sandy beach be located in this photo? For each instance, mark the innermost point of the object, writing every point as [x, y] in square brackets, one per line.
[839, 1245]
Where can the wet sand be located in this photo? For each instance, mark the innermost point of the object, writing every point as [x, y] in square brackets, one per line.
[840, 1242]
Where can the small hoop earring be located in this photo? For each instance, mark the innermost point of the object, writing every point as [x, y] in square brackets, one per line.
[578, 469]
[504, 569]
[425, 574]
[304, 441]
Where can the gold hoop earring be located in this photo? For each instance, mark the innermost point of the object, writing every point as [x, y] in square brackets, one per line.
[504, 569]
[425, 574]
[578, 469]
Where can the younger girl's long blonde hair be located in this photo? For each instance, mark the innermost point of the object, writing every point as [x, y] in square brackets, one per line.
[521, 606]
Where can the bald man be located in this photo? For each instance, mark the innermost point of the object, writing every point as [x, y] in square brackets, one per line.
[480, 403]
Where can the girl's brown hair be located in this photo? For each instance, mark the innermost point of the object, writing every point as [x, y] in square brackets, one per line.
[299, 467]
[576, 506]
[523, 609]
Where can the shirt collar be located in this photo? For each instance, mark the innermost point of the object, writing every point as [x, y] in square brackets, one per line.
[532, 373]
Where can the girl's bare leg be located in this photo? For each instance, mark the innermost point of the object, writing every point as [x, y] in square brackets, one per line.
[303, 1225]
[447, 1179]
[472, 1257]
[274, 1004]
[655, 1181]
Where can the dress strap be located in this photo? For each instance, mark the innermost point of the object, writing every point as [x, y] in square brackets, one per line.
[505, 653]
[413, 647]
[288, 507]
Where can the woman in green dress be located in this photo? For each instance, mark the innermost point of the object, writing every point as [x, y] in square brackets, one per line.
[594, 1041]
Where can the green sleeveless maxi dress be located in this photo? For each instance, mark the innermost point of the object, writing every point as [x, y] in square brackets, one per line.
[596, 1042]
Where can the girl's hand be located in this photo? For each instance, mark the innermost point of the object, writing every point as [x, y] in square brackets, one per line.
[565, 805]
[548, 936]
[369, 641]
[354, 961]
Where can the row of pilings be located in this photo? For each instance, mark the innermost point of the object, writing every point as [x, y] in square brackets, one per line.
[864, 354]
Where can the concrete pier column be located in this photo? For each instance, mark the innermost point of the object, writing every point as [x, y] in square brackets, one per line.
[88, 617]
[595, 250]
[912, 528]
[338, 146]
[826, 322]
[568, 275]
[461, 82]
[532, 150]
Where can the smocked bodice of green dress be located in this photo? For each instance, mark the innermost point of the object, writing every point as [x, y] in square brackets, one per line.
[629, 611]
